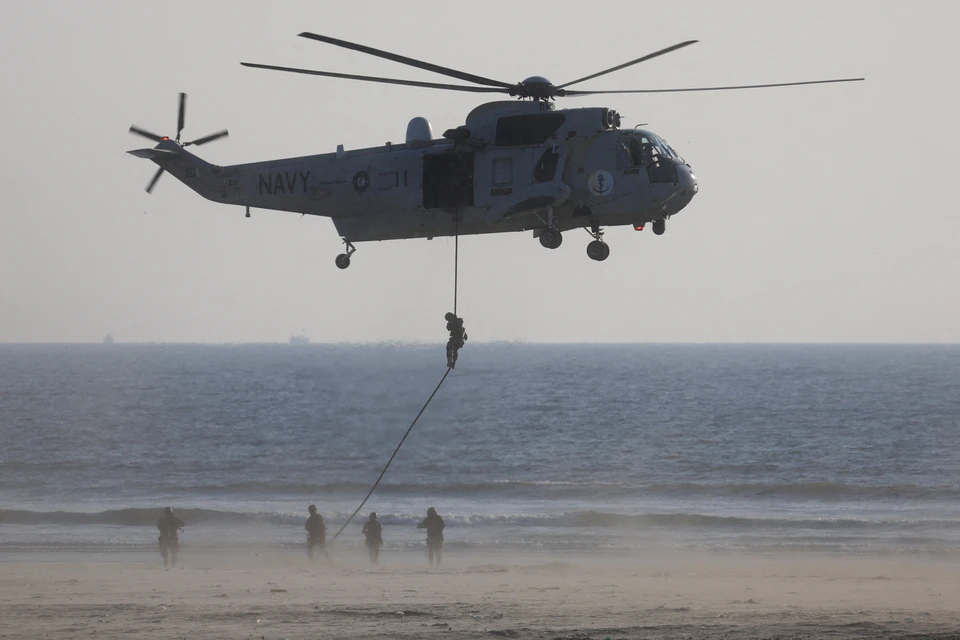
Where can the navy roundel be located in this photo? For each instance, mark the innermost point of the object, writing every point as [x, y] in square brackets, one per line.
[361, 180]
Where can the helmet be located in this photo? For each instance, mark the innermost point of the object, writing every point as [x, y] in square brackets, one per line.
[373, 515]
[449, 316]
[312, 508]
[167, 511]
[431, 511]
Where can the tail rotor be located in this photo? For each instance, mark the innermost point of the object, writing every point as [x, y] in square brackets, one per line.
[181, 119]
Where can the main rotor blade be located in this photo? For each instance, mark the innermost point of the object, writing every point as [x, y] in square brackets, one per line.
[453, 73]
[156, 177]
[146, 134]
[742, 86]
[409, 83]
[181, 114]
[632, 62]
[209, 138]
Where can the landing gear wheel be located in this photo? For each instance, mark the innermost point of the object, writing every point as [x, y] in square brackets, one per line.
[551, 239]
[343, 260]
[659, 226]
[598, 250]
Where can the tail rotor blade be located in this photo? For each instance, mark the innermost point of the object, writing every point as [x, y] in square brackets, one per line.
[209, 138]
[181, 114]
[146, 134]
[156, 177]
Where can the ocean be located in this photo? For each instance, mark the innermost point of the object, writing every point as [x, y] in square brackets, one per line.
[617, 448]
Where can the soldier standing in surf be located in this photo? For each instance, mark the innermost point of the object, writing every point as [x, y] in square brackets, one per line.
[169, 524]
[316, 533]
[434, 526]
[374, 540]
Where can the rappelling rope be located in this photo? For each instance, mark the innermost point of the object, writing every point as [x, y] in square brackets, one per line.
[375, 484]
[456, 260]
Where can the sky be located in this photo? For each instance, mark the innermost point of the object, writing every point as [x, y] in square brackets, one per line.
[825, 213]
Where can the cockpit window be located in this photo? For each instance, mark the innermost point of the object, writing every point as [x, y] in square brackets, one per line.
[638, 150]
[673, 152]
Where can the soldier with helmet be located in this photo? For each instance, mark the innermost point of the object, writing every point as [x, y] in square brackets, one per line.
[372, 531]
[434, 525]
[457, 337]
[316, 533]
[169, 525]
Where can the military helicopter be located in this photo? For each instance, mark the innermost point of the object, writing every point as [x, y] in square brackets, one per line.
[514, 165]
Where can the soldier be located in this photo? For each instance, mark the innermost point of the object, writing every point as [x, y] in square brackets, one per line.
[372, 531]
[169, 524]
[457, 337]
[316, 533]
[434, 526]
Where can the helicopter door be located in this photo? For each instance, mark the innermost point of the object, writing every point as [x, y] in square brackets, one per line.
[447, 180]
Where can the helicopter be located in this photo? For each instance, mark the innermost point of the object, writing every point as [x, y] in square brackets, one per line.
[514, 165]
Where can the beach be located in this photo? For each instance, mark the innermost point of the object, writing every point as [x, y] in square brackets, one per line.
[476, 594]
[761, 492]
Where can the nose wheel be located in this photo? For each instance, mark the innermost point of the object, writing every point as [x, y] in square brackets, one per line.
[659, 226]
[343, 260]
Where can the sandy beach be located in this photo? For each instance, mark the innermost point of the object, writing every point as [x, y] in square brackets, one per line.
[669, 594]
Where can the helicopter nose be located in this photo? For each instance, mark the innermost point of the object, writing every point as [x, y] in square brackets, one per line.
[687, 181]
[686, 188]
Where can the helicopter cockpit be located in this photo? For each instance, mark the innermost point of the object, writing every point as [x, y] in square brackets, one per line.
[638, 149]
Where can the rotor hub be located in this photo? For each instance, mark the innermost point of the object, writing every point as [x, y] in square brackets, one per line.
[536, 87]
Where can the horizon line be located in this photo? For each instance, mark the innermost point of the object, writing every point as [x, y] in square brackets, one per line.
[418, 343]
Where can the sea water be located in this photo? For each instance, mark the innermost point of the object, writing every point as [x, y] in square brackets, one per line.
[557, 447]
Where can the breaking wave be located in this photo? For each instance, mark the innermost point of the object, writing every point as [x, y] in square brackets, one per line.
[141, 517]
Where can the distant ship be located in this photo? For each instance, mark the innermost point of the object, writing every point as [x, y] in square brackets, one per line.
[299, 339]
[108, 339]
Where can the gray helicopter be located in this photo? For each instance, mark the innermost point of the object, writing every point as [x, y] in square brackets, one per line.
[515, 165]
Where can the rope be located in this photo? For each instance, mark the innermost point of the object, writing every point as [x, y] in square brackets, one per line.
[375, 484]
[456, 261]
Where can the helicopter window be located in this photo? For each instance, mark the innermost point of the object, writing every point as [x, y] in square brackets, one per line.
[502, 172]
[637, 151]
[527, 129]
[546, 167]
[623, 154]
[673, 152]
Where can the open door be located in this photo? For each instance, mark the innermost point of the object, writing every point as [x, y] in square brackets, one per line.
[447, 180]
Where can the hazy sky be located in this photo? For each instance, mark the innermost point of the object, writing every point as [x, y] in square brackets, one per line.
[824, 213]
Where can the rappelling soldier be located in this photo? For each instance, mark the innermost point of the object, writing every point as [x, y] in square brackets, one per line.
[373, 533]
[316, 533]
[457, 337]
[169, 525]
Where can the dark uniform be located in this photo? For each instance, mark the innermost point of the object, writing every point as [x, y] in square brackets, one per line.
[316, 532]
[169, 524]
[457, 337]
[434, 526]
[374, 539]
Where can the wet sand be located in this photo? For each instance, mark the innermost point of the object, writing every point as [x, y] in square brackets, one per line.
[533, 595]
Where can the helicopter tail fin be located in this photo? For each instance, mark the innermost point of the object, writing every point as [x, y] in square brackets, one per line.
[189, 169]
[153, 154]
